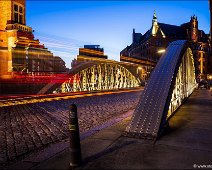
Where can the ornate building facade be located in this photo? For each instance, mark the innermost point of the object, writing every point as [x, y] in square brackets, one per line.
[19, 50]
[147, 49]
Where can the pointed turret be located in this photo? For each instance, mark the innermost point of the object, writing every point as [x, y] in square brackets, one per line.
[194, 28]
[136, 37]
[154, 24]
[154, 20]
[133, 36]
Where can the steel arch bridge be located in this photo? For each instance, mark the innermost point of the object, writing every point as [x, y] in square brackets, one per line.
[170, 83]
[92, 76]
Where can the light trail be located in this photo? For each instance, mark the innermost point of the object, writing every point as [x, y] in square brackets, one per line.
[53, 97]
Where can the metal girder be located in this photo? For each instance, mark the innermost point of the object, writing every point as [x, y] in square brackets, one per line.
[172, 80]
[101, 76]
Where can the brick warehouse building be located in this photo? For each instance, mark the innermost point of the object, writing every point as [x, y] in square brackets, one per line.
[89, 53]
[148, 48]
[25, 64]
[20, 52]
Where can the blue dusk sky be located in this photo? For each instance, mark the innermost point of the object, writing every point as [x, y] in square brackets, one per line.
[65, 26]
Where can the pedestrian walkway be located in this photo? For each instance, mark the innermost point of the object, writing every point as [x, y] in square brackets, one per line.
[186, 145]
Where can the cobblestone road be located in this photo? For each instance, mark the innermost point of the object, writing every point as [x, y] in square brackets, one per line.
[27, 128]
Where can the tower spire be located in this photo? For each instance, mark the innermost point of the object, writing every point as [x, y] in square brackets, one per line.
[154, 20]
[154, 24]
[154, 16]
[133, 35]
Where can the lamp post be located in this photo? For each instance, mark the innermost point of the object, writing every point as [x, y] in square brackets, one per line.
[139, 71]
[139, 68]
[13, 47]
[38, 64]
[27, 57]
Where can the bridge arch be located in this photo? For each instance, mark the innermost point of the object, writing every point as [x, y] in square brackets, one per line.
[92, 76]
[170, 83]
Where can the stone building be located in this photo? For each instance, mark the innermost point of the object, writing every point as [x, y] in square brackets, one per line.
[147, 49]
[89, 53]
[59, 65]
[92, 51]
[20, 52]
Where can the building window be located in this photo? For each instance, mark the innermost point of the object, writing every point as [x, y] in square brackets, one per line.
[158, 43]
[18, 13]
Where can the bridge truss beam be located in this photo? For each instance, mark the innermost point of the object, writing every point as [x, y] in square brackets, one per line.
[101, 76]
[170, 83]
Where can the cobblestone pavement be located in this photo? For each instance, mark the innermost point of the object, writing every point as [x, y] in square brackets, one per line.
[27, 128]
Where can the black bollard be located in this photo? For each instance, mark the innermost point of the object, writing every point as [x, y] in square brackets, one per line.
[75, 148]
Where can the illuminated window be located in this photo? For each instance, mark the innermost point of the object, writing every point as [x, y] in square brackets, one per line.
[18, 13]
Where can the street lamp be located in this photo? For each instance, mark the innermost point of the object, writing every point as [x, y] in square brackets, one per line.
[139, 72]
[27, 57]
[139, 68]
[161, 51]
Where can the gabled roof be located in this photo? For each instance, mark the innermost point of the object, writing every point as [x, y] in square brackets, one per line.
[146, 35]
[167, 29]
[171, 30]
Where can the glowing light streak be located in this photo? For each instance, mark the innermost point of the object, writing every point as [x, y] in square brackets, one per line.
[54, 97]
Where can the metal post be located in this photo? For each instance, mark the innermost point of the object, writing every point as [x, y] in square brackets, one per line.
[27, 57]
[75, 148]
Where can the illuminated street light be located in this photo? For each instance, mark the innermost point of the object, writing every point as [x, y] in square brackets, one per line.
[139, 68]
[27, 57]
[161, 51]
